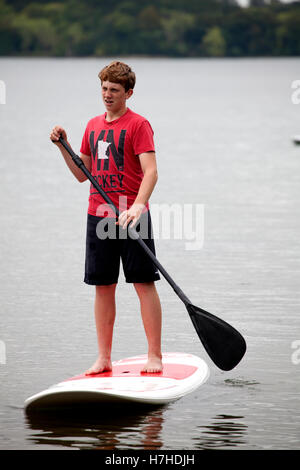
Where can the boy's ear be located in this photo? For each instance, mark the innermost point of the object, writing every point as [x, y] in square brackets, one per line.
[129, 93]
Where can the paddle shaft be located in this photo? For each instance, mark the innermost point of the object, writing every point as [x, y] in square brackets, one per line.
[131, 230]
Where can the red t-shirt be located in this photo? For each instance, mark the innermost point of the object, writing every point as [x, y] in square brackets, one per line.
[114, 148]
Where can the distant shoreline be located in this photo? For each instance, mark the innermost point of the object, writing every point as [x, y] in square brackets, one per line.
[210, 28]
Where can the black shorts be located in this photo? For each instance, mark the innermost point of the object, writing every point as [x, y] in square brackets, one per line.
[107, 243]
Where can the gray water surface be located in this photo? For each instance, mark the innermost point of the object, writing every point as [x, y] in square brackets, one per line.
[223, 133]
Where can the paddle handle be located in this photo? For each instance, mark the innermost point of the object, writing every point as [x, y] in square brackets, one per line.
[132, 232]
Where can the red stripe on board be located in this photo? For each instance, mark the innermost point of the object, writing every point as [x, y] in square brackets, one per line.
[170, 371]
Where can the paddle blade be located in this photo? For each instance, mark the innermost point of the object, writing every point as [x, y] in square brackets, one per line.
[223, 343]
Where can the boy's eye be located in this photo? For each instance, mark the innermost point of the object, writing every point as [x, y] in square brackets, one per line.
[113, 90]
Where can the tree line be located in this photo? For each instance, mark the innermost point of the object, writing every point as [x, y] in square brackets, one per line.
[178, 28]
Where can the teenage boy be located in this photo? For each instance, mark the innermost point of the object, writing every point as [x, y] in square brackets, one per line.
[118, 149]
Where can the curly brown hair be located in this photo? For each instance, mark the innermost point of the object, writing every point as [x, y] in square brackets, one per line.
[118, 72]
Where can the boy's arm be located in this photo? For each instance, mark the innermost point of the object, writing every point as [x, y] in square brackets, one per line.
[149, 168]
[79, 175]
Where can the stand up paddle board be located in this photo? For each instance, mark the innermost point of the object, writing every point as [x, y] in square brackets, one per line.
[126, 383]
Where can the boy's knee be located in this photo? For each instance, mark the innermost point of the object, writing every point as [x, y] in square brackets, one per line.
[106, 289]
[143, 287]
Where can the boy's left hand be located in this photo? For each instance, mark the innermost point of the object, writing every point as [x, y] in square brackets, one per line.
[130, 216]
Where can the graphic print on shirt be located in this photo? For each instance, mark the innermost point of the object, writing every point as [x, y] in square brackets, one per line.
[105, 156]
[103, 149]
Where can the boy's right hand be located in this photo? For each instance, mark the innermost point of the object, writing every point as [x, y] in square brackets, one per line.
[58, 131]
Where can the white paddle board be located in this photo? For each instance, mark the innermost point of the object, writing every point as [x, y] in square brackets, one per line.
[126, 383]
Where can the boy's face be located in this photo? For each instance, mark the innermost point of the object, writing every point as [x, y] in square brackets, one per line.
[114, 96]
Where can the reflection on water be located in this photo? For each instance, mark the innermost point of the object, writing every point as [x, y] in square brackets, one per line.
[224, 432]
[138, 428]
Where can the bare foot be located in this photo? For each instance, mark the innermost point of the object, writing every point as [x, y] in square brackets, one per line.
[154, 365]
[101, 365]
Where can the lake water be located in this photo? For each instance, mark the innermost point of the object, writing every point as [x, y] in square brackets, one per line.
[223, 132]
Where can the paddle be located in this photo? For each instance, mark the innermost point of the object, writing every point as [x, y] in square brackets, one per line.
[223, 343]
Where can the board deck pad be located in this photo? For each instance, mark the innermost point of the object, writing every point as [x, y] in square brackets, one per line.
[126, 383]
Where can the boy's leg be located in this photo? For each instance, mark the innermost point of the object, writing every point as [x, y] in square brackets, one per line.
[105, 312]
[140, 270]
[151, 315]
[102, 270]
